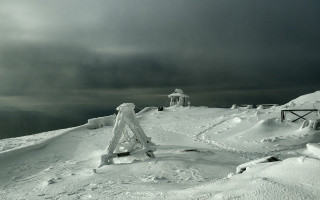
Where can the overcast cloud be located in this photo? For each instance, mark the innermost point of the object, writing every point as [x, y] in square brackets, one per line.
[105, 52]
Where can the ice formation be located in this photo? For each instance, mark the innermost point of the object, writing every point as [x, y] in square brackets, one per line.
[179, 98]
[126, 116]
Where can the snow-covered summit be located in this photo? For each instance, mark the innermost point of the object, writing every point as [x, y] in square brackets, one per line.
[198, 152]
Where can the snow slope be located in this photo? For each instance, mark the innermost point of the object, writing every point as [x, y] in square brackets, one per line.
[307, 100]
[198, 151]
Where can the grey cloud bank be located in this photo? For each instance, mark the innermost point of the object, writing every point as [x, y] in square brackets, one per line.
[70, 57]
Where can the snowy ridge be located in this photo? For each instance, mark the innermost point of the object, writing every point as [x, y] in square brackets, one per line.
[146, 109]
[37, 144]
[198, 152]
[309, 100]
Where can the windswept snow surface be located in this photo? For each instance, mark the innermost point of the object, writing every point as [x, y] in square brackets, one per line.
[198, 151]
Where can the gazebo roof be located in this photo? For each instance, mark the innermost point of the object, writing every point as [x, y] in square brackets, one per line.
[178, 93]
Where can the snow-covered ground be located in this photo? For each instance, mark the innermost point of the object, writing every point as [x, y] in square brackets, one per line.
[198, 151]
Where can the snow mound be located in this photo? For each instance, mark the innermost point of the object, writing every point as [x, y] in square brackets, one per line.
[293, 178]
[241, 168]
[265, 127]
[236, 120]
[145, 110]
[269, 123]
[306, 100]
[314, 149]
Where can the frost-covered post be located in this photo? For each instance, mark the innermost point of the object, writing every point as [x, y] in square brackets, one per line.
[126, 116]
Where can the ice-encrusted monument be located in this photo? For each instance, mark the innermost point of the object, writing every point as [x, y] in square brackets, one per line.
[122, 144]
[179, 98]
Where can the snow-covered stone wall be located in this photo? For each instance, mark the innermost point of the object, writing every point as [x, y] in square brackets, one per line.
[101, 122]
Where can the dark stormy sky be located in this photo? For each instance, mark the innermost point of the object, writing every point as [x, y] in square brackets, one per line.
[82, 58]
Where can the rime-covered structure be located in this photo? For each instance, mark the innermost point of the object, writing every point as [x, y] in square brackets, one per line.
[179, 98]
[126, 116]
[312, 124]
[101, 122]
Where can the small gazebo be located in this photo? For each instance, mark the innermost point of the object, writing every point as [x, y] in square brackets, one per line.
[179, 98]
